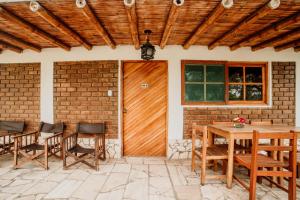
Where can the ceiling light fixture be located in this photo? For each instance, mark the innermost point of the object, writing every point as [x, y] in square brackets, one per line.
[227, 3]
[273, 4]
[129, 3]
[178, 2]
[34, 6]
[80, 3]
[147, 49]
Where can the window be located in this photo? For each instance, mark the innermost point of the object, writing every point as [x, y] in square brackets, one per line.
[221, 82]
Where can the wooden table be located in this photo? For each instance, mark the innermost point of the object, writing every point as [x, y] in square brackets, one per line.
[231, 134]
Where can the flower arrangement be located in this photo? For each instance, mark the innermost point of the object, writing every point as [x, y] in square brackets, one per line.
[239, 122]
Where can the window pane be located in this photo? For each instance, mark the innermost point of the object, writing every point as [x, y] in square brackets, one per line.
[194, 73]
[215, 73]
[236, 92]
[254, 92]
[194, 92]
[254, 74]
[215, 92]
[235, 74]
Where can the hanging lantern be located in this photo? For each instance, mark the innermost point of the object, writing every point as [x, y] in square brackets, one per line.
[147, 49]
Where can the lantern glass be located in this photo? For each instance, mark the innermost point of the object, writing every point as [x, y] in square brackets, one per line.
[148, 51]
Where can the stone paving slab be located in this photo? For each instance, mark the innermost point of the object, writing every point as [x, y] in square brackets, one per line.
[132, 178]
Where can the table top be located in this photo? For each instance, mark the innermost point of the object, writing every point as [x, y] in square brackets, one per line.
[248, 129]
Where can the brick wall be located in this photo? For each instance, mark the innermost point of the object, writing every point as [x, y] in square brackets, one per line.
[80, 94]
[20, 93]
[282, 111]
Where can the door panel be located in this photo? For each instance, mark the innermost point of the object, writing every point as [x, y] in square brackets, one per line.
[145, 108]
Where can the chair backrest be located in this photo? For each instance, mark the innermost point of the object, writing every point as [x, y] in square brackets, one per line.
[261, 123]
[91, 128]
[51, 128]
[200, 132]
[281, 147]
[223, 123]
[12, 126]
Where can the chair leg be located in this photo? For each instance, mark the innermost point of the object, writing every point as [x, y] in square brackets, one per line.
[252, 189]
[193, 161]
[224, 167]
[292, 188]
[203, 171]
[215, 165]
[46, 160]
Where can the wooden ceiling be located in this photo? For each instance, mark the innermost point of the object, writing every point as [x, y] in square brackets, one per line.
[57, 23]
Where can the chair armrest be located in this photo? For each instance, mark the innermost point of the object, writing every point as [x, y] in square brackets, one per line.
[25, 134]
[54, 139]
[25, 139]
[69, 141]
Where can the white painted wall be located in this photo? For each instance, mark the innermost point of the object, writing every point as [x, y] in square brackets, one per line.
[173, 54]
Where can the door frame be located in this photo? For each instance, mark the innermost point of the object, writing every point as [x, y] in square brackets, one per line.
[122, 102]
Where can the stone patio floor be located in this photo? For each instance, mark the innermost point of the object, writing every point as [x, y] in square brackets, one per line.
[127, 178]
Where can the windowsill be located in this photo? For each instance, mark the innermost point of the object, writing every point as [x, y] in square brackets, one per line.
[229, 106]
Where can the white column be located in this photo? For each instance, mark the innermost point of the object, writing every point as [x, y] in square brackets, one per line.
[46, 90]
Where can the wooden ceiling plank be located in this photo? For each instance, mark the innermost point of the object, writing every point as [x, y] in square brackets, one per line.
[242, 25]
[210, 19]
[173, 14]
[292, 44]
[269, 30]
[18, 42]
[91, 16]
[133, 24]
[32, 28]
[60, 25]
[285, 36]
[5, 45]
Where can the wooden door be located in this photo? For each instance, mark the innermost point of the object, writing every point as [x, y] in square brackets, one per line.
[145, 86]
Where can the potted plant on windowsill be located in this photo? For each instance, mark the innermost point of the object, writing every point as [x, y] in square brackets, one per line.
[239, 122]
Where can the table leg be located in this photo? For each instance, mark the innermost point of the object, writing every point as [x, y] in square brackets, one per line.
[230, 162]
[210, 139]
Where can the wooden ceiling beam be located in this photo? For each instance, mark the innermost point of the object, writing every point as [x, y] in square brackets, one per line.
[57, 23]
[91, 16]
[18, 42]
[133, 24]
[4, 45]
[292, 44]
[242, 25]
[32, 28]
[173, 14]
[208, 21]
[269, 30]
[285, 36]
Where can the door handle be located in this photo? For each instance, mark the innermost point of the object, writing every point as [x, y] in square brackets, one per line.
[124, 110]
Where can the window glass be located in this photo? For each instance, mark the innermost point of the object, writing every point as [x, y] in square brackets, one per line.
[194, 92]
[236, 74]
[194, 73]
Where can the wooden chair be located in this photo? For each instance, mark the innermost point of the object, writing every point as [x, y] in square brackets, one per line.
[8, 129]
[259, 163]
[206, 153]
[286, 158]
[28, 148]
[72, 149]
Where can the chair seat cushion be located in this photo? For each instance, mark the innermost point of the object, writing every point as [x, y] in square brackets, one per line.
[262, 161]
[80, 149]
[34, 147]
